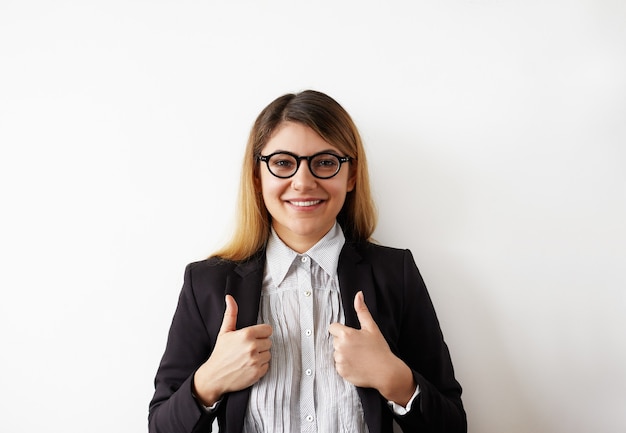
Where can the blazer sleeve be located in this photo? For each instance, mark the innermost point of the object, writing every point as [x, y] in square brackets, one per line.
[173, 408]
[438, 407]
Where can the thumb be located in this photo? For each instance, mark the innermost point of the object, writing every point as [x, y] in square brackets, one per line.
[229, 323]
[363, 313]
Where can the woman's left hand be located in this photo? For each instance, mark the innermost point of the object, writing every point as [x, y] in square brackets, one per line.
[363, 357]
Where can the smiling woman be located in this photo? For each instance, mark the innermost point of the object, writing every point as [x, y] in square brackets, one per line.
[300, 322]
[330, 124]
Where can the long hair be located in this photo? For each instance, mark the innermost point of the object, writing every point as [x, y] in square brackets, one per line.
[327, 118]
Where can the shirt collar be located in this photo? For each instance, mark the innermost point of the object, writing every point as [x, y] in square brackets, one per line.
[325, 253]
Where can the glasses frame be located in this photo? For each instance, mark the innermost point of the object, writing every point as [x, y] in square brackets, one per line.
[266, 159]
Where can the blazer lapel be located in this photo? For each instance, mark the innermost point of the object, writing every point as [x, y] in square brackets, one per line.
[244, 284]
[356, 275]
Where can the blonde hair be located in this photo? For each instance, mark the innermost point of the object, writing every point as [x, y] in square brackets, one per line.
[327, 118]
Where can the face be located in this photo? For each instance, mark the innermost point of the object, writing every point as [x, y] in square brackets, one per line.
[303, 207]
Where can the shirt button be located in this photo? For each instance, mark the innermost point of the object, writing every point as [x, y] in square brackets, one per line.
[308, 372]
[307, 293]
[304, 259]
[309, 418]
[308, 332]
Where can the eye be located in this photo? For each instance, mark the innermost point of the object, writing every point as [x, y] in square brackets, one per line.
[283, 163]
[326, 162]
[329, 162]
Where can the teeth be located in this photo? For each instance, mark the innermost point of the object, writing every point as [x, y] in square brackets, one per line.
[305, 203]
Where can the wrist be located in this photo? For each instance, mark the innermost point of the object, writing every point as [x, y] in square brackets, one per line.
[398, 385]
[206, 395]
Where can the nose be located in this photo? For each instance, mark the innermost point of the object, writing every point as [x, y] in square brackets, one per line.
[303, 179]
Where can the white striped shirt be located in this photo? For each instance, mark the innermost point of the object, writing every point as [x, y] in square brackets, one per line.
[302, 391]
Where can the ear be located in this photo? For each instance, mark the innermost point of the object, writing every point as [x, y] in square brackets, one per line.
[351, 179]
[257, 182]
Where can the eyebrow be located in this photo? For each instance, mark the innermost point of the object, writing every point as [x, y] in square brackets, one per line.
[331, 151]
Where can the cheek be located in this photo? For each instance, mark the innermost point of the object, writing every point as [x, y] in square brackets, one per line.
[262, 183]
[343, 186]
[339, 193]
[270, 186]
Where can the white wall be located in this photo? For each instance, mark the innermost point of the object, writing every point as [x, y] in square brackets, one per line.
[497, 139]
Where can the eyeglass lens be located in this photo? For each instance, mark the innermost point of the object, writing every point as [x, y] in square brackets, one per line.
[323, 165]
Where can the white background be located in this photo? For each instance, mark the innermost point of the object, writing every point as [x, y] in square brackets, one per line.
[497, 140]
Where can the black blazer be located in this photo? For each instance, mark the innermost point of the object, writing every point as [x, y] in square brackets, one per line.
[395, 295]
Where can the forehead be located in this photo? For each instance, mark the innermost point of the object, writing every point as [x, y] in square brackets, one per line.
[297, 138]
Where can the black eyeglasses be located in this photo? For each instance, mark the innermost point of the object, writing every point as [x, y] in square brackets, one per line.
[322, 165]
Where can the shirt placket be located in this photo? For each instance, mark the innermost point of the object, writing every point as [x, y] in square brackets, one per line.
[308, 420]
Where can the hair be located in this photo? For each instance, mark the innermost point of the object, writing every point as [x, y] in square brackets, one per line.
[330, 120]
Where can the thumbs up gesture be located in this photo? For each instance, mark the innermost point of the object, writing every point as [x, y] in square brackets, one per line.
[240, 358]
[363, 357]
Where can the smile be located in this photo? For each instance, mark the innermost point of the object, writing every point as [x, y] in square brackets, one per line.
[305, 203]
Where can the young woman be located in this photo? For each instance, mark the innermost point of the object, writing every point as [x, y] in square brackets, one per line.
[301, 324]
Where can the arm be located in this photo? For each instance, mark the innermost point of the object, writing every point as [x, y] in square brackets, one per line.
[173, 408]
[438, 407]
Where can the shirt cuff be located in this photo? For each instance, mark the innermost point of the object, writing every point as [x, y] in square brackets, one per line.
[402, 410]
[208, 409]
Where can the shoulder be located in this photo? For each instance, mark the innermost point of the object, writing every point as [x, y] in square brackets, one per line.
[382, 259]
[217, 267]
[206, 281]
[211, 272]
[212, 264]
[369, 250]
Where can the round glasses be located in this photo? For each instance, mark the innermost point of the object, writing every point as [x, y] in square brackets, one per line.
[322, 165]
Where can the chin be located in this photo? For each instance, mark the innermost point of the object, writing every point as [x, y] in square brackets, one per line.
[307, 231]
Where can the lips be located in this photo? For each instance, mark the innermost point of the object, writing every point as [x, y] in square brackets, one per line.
[305, 203]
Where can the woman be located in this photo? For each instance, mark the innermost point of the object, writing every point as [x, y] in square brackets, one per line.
[301, 323]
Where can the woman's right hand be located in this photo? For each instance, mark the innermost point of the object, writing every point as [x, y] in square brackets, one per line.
[240, 358]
